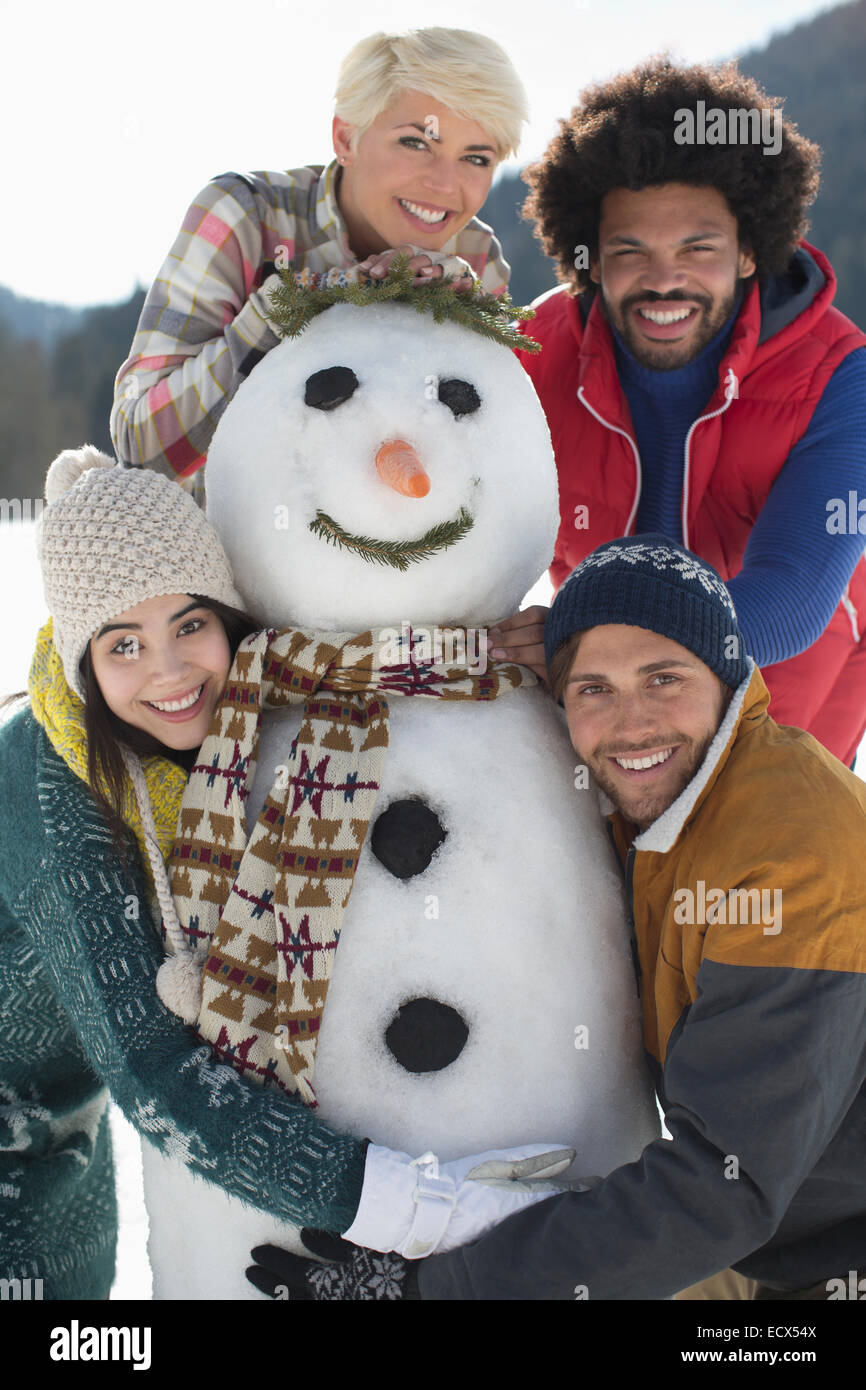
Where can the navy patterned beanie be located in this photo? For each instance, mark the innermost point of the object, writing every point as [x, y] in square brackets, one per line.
[648, 581]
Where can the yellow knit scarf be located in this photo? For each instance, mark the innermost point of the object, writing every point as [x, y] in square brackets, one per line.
[61, 713]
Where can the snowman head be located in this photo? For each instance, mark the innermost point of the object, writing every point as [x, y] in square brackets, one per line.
[382, 468]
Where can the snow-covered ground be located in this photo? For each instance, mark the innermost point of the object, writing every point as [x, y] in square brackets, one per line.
[24, 613]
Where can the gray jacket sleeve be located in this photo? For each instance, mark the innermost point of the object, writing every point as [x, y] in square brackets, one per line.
[762, 1076]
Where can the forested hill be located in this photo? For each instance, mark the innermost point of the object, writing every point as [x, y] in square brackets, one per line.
[57, 365]
[56, 391]
[817, 70]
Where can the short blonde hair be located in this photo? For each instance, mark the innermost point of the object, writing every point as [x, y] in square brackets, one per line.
[461, 69]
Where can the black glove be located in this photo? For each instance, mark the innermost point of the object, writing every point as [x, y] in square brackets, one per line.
[340, 1273]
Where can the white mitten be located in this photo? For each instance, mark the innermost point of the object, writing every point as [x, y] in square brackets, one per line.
[416, 1206]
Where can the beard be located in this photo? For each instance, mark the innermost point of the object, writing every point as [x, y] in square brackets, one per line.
[668, 356]
[642, 807]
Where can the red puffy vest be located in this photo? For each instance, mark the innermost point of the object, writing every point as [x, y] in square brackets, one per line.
[734, 451]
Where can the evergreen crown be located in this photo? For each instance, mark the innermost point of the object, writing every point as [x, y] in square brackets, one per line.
[297, 301]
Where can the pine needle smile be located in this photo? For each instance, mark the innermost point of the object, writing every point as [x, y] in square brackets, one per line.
[399, 554]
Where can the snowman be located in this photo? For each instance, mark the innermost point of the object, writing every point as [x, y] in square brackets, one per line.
[387, 471]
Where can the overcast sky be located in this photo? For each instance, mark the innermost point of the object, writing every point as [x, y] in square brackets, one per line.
[115, 112]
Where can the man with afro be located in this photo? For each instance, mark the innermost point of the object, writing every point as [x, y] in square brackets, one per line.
[697, 380]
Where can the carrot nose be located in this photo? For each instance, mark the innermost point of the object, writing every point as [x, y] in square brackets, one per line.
[400, 467]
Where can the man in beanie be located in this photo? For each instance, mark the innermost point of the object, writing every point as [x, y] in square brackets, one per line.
[742, 843]
[696, 375]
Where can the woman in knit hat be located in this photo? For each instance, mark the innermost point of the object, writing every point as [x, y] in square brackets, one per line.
[145, 620]
[145, 623]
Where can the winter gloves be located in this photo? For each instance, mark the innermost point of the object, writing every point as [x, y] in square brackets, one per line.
[414, 1207]
[418, 1206]
[338, 1273]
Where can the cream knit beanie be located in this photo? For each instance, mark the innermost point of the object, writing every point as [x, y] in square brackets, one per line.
[112, 537]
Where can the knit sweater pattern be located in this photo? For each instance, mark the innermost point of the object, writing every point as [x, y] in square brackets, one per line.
[78, 960]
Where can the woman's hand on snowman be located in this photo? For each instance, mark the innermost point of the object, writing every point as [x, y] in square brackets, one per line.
[338, 1272]
[521, 639]
[419, 1206]
[427, 265]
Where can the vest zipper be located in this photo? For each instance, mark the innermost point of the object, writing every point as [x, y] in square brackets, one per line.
[853, 616]
[633, 513]
[732, 390]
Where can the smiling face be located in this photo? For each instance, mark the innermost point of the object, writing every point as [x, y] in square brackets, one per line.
[417, 175]
[668, 266]
[378, 436]
[162, 666]
[641, 711]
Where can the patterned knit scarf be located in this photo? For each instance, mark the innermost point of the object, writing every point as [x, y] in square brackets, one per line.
[273, 907]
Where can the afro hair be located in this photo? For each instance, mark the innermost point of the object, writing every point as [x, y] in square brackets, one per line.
[622, 136]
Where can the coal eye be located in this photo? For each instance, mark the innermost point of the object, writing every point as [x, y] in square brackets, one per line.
[460, 397]
[329, 388]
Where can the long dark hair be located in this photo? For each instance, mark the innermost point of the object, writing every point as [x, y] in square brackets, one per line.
[106, 732]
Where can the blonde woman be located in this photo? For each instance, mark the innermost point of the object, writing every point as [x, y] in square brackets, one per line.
[421, 121]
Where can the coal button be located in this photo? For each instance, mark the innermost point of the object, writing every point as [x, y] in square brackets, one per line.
[426, 1035]
[405, 837]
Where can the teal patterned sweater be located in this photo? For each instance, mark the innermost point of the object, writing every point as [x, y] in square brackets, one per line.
[80, 1018]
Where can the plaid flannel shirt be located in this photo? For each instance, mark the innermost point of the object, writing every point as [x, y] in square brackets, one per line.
[204, 323]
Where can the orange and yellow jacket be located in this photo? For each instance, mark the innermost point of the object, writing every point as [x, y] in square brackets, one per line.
[748, 898]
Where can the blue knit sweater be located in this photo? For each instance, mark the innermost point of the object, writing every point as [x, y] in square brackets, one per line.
[790, 548]
[78, 963]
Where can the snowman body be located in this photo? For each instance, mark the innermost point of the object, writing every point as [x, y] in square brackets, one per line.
[483, 993]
